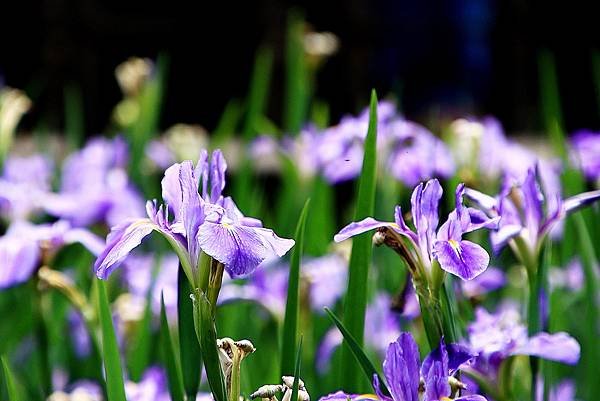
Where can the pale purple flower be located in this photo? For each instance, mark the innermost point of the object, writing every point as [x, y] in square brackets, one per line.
[490, 280]
[265, 153]
[416, 154]
[462, 258]
[160, 154]
[202, 222]
[563, 391]
[525, 211]
[404, 373]
[95, 186]
[586, 152]
[79, 334]
[22, 245]
[152, 387]
[341, 396]
[24, 182]
[501, 335]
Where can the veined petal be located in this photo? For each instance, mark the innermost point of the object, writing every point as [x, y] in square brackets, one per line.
[217, 175]
[458, 355]
[485, 202]
[576, 202]
[435, 373]
[120, 242]
[560, 347]
[86, 238]
[464, 259]
[18, 259]
[473, 397]
[532, 199]
[241, 249]
[501, 237]
[171, 190]
[359, 227]
[401, 368]
[192, 212]
[402, 228]
[425, 202]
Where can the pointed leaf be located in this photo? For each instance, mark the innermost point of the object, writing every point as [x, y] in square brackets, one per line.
[297, 371]
[189, 350]
[173, 368]
[9, 380]
[115, 387]
[355, 303]
[292, 308]
[359, 355]
[259, 91]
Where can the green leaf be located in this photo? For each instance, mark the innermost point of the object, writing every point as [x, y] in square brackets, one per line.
[591, 358]
[355, 302]
[74, 123]
[139, 352]
[292, 307]
[320, 224]
[227, 124]
[297, 371]
[297, 88]
[189, 350]
[207, 337]
[359, 355]
[550, 103]
[115, 387]
[173, 368]
[9, 380]
[259, 90]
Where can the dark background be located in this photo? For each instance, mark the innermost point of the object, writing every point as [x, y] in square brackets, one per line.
[445, 57]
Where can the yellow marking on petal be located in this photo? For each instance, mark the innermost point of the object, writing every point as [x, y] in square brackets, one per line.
[367, 397]
[445, 399]
[455, 245]
[227, 225]
[394, 225]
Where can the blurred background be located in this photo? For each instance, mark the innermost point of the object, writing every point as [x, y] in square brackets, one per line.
[449, 58]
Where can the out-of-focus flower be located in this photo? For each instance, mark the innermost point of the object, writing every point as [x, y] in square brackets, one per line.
[206, 222]
[563, 391]
[23, 185]
[341, 396]
[490, 280]
[586, 152]
[526, 214]
[460, 257]
[82, 390]
[416, 154]
[133, 74]
[265, 153]
[26, 245]
[95, 186]
[79, 334]
[570, 277]
[501, 335]
[152, 387]
[432, 380]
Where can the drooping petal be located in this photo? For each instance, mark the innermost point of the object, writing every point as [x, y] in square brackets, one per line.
[576, 202]
[192, 213]
[377, 387]
[120, 242]
[171, 190]
[560, 347]
[341, 396]
[86, 238]
[472, 397]
[501, 237]
[532, 202]
[485, 202]
[402, 228]
[241, 249]
[359, 227]
[401, 368]
[464, 259]
[458, 355]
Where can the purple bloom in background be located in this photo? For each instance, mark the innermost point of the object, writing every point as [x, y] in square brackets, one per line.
[341, 148]
[160, 154]
[462, 258]
[95, 186]
[586, 152]
[79, 334]
[416, 154]
[526, 212]
[80, 390]
[490, 280]
[404, 373]
[563, 391]
[140, 277]
[24, 244]
[202, 222]
[24, 182]
[570, 277]
[501, 335]
[152, 387]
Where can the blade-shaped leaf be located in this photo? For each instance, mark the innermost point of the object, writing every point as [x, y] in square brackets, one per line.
[550, 103]
[355, 302]
[297, 86]
[189, 350]
[172, 365]
[292, 308]
[259, 90]
[207, 337]
[359, 355]
[9, 381]
[139, 352]
[297, 366]
[115, 387]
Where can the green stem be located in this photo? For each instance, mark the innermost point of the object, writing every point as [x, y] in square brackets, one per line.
[214, 284]
[234, 389]
[534, 326]
[505, 378]
[432, 314]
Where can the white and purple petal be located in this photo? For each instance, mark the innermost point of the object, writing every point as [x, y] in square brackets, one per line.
[559, 347]
[464, 259]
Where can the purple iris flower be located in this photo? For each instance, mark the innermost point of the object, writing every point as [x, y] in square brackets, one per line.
[409, 380]
[24, 182]
[202, 222]
[526, 213]
[490, 280]
[501, 335]
[563, 391]
[586, 152]
[24, 246]
[462, 258]
[341, 396]
[417, 154]
[152, 387]
[95, 186]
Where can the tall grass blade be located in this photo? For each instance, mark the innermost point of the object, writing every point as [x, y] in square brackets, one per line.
[297, 367]
[189, 350]
[9, 381]
[172, 366]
